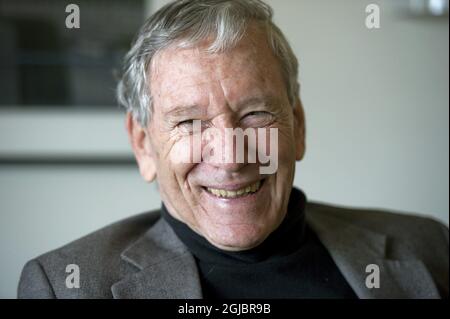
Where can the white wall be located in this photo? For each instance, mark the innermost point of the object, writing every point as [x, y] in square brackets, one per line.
[376, 102]
[377, 110]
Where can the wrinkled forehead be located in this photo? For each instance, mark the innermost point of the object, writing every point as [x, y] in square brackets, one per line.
[192, 75]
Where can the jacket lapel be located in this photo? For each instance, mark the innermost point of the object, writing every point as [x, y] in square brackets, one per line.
[353, 248]
[167, 269]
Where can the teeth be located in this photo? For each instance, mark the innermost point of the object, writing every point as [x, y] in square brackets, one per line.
[233, 194]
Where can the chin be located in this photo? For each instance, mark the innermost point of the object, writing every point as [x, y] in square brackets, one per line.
[237, 237]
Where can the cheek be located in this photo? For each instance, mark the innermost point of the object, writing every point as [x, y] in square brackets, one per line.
[279, 145]
[180, 152]
[286, 137]
[286, 145]
[175, 163]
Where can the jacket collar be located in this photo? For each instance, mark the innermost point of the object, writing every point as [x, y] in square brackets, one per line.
[166, 268]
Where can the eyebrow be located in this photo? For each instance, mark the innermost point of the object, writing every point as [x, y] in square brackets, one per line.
[183, 110]
[268, 100]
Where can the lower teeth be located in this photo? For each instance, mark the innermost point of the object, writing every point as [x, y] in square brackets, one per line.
[225, 194]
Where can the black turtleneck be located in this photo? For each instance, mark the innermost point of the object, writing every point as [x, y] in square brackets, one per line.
[290, 263]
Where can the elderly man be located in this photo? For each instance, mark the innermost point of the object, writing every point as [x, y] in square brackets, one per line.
[229, 228]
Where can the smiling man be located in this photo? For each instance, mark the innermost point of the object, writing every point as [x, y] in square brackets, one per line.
[228, 228]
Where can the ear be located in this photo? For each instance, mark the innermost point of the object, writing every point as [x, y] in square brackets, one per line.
[142, 148]
[300, 130]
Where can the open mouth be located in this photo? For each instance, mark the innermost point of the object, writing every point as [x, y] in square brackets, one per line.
[245, 191]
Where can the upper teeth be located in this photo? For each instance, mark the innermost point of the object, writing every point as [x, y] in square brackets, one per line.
[240, 192]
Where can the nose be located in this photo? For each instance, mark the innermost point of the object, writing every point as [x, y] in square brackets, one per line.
[221, 149]
[229, 167]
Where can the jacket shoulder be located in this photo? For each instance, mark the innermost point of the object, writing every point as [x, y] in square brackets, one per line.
[96, 256]
[394, 224]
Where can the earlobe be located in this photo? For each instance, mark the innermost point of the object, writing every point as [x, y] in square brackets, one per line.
[142, 148]
[300, 130]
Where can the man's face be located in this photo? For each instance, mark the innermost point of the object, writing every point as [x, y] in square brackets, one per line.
[241, 88]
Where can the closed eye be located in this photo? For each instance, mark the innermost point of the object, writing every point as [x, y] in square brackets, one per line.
[186, 122]
[257, 113]
[257, 119]
[185, 126]
[191, 125]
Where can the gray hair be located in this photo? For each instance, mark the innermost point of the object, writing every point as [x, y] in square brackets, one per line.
[188, 22]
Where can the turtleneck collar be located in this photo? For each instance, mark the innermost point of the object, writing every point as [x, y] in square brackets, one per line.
[283, 241]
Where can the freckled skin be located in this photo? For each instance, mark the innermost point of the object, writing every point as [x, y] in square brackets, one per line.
[217, 83]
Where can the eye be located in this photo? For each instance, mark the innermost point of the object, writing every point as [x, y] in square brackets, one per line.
[257, 113]
[190, 125]
[186, 123]
[257, 119]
